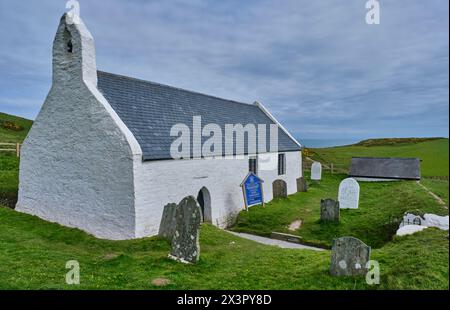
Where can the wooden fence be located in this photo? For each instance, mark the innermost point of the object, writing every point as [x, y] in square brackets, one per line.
[332, 167]
[11, 147]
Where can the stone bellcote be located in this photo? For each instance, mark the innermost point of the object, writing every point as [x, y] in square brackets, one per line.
[73, 53]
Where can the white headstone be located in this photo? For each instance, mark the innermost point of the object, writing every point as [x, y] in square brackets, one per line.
[348, 194]
[316, 171]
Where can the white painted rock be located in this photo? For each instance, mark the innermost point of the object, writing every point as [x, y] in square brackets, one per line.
[428, 219]
[409, 229]
[348, 196]
[433, 220]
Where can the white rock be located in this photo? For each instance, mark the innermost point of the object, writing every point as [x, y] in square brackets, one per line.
[409, 229]
[433, 220]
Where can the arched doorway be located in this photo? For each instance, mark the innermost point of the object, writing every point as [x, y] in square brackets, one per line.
[204, 200]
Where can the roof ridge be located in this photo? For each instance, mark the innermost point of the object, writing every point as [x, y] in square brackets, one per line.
[174, 87]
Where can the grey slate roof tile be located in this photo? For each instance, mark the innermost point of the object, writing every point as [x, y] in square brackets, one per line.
[149, 110]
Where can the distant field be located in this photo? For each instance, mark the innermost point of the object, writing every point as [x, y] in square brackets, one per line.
[13, 128]
[434, 153]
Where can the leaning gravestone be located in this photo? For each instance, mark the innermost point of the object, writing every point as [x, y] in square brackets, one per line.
[168, 222]
[279, 188]
[329, 210]
[302, 186]
[316, 171]
[185, 241]
[349, 257]
[348, 194]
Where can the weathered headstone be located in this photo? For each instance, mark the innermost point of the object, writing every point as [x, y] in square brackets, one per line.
[185, 241]
[302, 186]
[168, 223]
[329, 210]
[279, 188]
[348, 194]
[316, 171]
[349, 257]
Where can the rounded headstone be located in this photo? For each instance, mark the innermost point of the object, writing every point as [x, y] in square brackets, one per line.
[349, 257]
[348, 196]
[316, 171]
[279, 188]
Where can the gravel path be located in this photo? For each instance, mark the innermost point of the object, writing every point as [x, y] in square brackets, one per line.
[280, 243]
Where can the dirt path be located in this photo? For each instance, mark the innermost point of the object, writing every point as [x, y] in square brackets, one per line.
[436, 197]
[269, 241]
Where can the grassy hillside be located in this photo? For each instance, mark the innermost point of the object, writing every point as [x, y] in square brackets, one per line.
[33, 254]
[434, 153]
[13, 128]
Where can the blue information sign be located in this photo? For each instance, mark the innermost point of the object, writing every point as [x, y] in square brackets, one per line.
[252, 188]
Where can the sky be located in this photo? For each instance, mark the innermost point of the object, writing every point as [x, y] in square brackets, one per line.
[322, 71]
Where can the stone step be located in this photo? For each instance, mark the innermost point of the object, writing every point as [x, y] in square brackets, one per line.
[295, 239]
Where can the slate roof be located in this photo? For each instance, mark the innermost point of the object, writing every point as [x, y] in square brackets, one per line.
[150, 110]
[385, 167]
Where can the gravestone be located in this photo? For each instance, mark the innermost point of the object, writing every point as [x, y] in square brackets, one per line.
[168, 223]
[316, 171]
[302, 186]
[349, 257]
[279, 188]
[412, 219]
[348, 194]
[185, 241]
[329, 210]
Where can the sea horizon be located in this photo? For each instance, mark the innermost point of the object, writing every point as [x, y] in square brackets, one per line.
[319, 143]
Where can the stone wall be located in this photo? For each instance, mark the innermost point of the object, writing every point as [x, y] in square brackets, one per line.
[162, 182]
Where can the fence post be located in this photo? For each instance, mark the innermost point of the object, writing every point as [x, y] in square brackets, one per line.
[18, 149]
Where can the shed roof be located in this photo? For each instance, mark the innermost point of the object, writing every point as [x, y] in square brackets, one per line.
[149, 110]
[385, 167]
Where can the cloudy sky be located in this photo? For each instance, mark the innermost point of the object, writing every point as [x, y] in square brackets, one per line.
[317, 65]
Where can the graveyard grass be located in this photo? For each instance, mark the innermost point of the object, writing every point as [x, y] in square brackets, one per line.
[33, 254]
[374, 222]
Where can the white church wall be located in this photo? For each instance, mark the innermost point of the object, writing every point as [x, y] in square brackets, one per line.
[160, 182]
[76, 164]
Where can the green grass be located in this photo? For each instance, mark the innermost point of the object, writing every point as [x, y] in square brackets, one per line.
[33, 254]
[373, 222]
[434, 153]
[9, 163]
[9, 180]
[10, 135]
[438, 186]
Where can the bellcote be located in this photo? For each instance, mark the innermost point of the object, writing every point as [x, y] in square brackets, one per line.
[73, 52]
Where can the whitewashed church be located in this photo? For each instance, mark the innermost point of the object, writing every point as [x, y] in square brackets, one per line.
[98, 154]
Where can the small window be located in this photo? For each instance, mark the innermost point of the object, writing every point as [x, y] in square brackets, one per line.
[281, 164]
[70, 46]
[252, 164]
